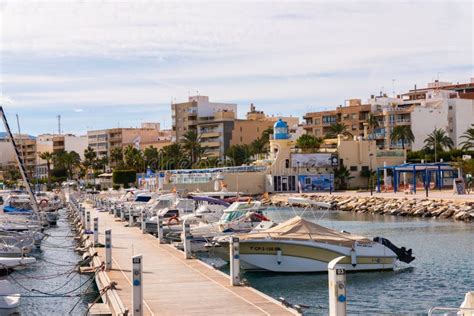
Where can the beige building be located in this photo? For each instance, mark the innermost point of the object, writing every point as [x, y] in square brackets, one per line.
[186, 116]
[27, 148]
[354, 114]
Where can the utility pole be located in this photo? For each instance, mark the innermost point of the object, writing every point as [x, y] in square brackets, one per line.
[59, 124]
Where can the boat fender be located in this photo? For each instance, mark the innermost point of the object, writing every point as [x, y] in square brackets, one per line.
[173, 218]
[279, 257]
[353, 257]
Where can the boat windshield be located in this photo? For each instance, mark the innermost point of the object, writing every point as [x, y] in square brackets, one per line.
[143, 198]
[232, 216]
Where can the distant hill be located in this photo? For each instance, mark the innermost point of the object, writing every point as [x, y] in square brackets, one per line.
[4, 135]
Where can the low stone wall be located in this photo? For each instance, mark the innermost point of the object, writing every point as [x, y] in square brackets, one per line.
[458, 210]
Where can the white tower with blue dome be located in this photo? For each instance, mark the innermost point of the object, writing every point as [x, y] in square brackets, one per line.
[280, 130]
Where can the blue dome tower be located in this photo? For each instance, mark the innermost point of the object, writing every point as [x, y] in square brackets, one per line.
[280, 130]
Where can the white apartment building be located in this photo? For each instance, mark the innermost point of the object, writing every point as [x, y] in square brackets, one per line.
[441, 105]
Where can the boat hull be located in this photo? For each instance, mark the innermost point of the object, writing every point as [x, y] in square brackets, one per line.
[294, 256]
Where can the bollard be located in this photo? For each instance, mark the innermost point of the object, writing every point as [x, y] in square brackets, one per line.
[88, 221]
[96, 230]
[234, 261]
[337, 288]
[83, 212]
[130, 217]
[122, 213]
[137, 292]
[108, 249]
[159, 228]
[186, 240]
[142, 220]
[115, 210]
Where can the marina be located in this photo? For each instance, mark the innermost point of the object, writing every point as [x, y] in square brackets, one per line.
[236, 157]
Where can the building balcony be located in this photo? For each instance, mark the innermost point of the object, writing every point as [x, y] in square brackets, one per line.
[192, 122]
[211, 144]
[210, 135]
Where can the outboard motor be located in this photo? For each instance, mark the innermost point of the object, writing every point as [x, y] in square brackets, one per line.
[402, 253]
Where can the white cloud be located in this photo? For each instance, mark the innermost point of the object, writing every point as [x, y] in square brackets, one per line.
[315, 53]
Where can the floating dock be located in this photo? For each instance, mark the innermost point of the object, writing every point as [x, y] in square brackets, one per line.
[173, 285]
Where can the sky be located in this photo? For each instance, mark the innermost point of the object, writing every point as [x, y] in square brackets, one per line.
[103, 64]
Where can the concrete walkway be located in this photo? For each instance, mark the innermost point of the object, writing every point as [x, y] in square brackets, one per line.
[172, 284]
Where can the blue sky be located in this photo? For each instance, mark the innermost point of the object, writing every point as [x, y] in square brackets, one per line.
[103, 64]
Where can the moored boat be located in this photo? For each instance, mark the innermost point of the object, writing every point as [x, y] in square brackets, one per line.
[298, 245]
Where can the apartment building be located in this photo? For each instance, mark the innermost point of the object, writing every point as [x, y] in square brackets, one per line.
[104, 141]
[440, 105]
[26, 146]
[224, 129]
[187, 115]
[354, 114]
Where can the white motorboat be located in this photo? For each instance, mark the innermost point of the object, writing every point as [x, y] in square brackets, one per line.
[14, 262]
[9, 299]
[467, 306]
[239, 217]
[298, 245]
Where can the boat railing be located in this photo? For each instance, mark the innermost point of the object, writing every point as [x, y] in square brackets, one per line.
[451, 309]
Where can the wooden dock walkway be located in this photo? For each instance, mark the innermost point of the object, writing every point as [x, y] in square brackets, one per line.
[173, 285]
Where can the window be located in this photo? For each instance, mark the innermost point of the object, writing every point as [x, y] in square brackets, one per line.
[353, 168]
[258, 129]
[241, 128]
[317, 132]
[317, 121]
[354, 116]
[365, 168]
[241, 138]
[450, 107]
[307, 181]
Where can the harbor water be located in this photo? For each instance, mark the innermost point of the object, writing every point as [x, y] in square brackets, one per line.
[51, 286]
[440, 275]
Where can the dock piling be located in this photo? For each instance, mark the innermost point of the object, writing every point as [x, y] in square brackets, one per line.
[234, 253]
[130, 217]
[137, 291]
[96, 231]
[142, 221]
[159, 227]
[88, 221]
[337, 288]
[108, 250]
[187, 240]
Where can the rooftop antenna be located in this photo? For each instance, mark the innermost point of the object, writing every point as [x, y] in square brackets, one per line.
[393, 87]
[59, 124]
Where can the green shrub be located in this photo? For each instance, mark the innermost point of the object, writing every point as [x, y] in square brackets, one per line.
[124, 177]
[116, 187]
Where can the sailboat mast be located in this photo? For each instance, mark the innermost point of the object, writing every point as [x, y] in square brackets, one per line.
[19, 160]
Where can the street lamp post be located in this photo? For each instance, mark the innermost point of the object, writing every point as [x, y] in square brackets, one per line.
[370, 174]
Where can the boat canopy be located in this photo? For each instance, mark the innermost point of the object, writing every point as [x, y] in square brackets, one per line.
[298, 228]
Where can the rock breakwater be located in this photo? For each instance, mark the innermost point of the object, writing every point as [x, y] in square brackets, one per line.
[406, 206]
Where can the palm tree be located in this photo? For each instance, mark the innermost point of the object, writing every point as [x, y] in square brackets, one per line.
[258, 147]
[338, 129]
[171, 156]
[372, 123]
[341, 176]
[468, 144]
[48, 157]
[116, 157]
[133, 158]
[90, 157]
[438, 141]
[402, 133]
[192, 144]
[308, 143]
[238, 154]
